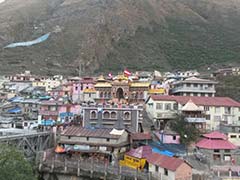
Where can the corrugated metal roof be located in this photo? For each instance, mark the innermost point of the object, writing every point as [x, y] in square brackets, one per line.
[215, 135]
[89, 132]
[141, 136]
[170, 163]
[215, 144]
[141, 152]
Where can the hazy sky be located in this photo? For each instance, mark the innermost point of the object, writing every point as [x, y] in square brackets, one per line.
[1, 1]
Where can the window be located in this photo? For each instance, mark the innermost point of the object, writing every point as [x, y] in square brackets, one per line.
[76, 88]
[227, 150]
[69, 137]
[175, 106]
[167, 106]
[93, 115]
[239, 118]
[188, 85]
[174, 137]
[233, 136]
[216, 150]
[106, 115]
[87, 138]
[113, 115]
[159, 106]
[165, 172]
[217, 109]
[156, 168]
[206, 108]
[208, 117]
[108, 139]
[126, 115]
[195, 85]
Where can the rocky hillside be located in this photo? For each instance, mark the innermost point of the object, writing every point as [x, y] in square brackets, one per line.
[108, 35]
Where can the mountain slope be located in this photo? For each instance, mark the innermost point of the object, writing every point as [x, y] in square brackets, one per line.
[108, 35]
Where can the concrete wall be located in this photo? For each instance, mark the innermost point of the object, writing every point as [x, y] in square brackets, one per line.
[184, 172]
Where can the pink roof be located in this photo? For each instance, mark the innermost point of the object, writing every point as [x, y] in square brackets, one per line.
[215, 135]
[170, 163]
[141, 152]
[199, 100]
[215, 144]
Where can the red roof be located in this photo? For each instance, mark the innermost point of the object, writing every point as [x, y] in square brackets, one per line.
[199, 100]
[141, 136]
[141, 152]
[215, 144]
[215, 135]
[170, 163]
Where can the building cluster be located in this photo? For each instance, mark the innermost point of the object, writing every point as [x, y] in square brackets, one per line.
[105, 117]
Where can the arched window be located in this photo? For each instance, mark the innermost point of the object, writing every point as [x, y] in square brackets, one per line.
[93, 115]
[113, 115]
[106, 115]
[105, 95]
[127, 115]
[136, 95]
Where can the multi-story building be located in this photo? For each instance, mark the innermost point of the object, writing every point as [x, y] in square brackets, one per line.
[83, 90]
[113, 116]
[215, 109]
[107, 144]
[194, 87]
[53, 111]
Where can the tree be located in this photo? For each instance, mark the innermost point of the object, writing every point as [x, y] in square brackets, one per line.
[188, 133]
[13, 165]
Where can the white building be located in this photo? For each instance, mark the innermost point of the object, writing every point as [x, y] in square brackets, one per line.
[194, 87]
[217, 109]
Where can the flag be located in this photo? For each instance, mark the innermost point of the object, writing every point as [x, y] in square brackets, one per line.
[110, 75]
[127, 73]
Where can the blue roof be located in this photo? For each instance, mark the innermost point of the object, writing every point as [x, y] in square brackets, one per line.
[15, 110]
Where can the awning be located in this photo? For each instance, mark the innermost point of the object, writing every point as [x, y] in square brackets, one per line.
[15, 110]
[66, 114]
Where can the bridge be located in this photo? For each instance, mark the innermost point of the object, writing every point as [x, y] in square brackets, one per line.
[31, 142]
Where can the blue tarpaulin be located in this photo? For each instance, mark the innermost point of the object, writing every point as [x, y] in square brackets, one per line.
[66, 114]
[164, 152]
[48, 122]
[15, 99]
[15, 110]
[29, 43]
[45, 97]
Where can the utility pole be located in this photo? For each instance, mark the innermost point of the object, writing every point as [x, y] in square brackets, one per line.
[79, 81]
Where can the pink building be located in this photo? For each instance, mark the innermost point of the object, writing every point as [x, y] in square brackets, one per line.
[80, 87]
[58, 111]
[168, 137]
[62, 90]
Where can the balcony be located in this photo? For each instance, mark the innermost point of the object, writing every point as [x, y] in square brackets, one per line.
[48, 113]
[194, 89]
[195, 119]
[166, 115]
